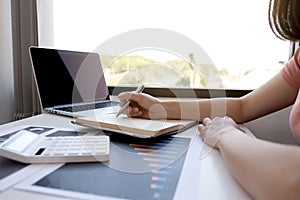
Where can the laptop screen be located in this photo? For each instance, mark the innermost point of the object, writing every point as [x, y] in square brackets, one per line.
[66, 77]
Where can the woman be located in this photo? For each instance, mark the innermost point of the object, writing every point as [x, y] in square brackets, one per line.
[266, 170]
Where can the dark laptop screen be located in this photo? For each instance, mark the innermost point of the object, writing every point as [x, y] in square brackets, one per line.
[65, 77]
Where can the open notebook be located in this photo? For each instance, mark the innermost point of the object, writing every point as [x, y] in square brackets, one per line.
[136, 127]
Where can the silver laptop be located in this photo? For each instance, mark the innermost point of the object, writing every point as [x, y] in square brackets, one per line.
[71, 83]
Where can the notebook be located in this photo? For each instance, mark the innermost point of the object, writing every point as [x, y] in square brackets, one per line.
[137, 127]
[71, 83]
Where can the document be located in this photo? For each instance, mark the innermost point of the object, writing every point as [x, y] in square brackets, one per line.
[135, 126]
[145, 169]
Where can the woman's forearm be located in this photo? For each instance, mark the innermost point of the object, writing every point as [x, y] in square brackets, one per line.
[201, 108]
[182, 109]
[266, 170]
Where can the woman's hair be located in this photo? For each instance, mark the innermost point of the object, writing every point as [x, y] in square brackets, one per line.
[284, 19]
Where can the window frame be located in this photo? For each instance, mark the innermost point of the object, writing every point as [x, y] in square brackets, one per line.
[181, 92]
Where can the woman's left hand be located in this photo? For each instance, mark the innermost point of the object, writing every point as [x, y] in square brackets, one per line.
[211, 130]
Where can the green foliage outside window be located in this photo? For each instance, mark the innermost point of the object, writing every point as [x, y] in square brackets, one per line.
[128, 70]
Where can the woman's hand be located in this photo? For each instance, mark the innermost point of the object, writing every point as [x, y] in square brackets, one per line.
[212, 130]
[142, 105]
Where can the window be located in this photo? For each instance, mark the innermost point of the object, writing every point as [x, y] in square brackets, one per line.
[234, 44]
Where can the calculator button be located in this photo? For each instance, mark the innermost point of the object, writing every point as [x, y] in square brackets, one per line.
[73, 152]
[77, 148]
[59, 152]
[85, 152]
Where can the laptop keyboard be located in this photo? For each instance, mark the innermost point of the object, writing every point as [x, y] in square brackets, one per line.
[76, 108]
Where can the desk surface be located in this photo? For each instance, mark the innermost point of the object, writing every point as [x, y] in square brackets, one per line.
[211, 179]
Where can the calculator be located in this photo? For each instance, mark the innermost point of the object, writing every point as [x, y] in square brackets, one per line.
[29, 147]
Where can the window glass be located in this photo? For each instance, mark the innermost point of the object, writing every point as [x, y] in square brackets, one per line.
[239, 50]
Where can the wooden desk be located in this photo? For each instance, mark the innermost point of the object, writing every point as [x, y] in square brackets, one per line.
[206, 179]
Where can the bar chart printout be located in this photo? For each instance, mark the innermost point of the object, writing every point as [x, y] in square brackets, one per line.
[160, 162]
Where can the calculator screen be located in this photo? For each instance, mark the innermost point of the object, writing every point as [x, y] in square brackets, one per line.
[21, 141]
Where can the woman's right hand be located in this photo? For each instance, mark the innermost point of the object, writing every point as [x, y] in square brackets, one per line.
[142, 105]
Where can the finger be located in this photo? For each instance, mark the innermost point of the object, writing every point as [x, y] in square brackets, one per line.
[123, 102]
[123, 96]
[138, 114]
[133, 112]
[230, 120]
[201, 129]
[133, 96]
[206, 121]
[127, 96]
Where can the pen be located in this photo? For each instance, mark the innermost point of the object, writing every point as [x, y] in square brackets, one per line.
[138, 90]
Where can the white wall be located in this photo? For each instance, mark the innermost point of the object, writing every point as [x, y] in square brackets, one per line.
[273, 127]
[6, 68]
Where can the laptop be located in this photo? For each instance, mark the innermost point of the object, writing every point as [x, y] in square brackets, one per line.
[71, 83]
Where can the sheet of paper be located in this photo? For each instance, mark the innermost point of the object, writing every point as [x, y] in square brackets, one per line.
[151, 170]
